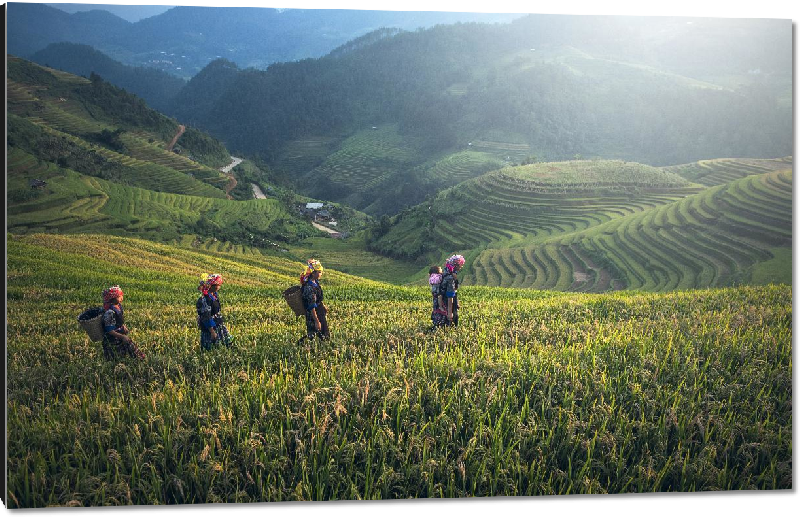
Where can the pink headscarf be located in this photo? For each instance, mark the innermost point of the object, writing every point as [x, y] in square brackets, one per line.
[453, 261]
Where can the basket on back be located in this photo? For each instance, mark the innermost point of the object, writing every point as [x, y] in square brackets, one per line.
[294, 297]
[91, 320]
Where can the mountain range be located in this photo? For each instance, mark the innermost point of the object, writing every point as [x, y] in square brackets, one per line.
[184, 39]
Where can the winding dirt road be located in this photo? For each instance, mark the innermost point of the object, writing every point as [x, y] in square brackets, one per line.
[231, 178]
[181, 130]
[257, 192]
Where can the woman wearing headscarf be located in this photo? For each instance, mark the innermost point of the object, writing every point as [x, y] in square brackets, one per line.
[115, 337]
[209, 318]
[449, 287]
[316, 321]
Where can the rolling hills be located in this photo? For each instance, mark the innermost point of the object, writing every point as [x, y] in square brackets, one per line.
[601, 225]
[106, 167]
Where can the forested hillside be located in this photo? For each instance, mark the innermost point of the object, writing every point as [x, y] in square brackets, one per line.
[156, 87]
[541, 88]
[185, 39]
[459, 100]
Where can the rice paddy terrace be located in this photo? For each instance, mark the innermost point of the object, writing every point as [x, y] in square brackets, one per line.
[367, 166]
[534, 393]
[736, 232]
[606, 225]
[49, 100]
[520, 205]
[72, 203]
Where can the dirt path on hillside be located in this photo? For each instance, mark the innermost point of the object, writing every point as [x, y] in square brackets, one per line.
[257, 192]
[323, 228]
[231, 178]
[181, 130]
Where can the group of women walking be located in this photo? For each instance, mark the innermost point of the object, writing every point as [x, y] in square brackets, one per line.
[213, 332]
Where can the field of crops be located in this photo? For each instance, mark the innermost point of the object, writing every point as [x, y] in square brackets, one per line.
[719, 237]
[535, 393]
[519, 206]
[64, 114]
[72, 203]
[367, 159]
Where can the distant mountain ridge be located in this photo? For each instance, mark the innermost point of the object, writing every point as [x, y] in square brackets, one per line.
[185, 39]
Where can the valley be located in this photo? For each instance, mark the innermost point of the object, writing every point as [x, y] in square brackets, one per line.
[621, 189]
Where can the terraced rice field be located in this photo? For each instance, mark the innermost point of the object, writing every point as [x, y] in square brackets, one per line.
[461, 166]
[368, 158]
[300, 156]
[514, 207]
[71, 203]
[148, 165]
[714, 238]
[508, 151]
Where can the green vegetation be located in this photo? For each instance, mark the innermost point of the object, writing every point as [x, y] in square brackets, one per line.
[80, 107]
[535, 393]
[719, 237]
[552, 87]
[72, 203]
[521, 205]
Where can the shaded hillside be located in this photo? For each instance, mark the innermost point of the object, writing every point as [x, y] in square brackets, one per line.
[157, 88]
[85, 108]
[550, 88]
[84, 156]
[184, 39]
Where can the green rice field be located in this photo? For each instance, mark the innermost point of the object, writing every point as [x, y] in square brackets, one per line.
[536, 392]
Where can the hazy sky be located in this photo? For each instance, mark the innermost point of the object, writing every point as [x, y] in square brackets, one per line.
[132, 13]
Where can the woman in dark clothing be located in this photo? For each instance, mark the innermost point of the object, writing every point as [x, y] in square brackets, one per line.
[316, 312]
[449, 288]
[209, 319]
[438, 313]
[116, 340]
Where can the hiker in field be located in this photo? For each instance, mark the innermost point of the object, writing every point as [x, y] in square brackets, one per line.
[212, 326]
[449, 288]
[116, 339]
[316, 312]
[438, 314]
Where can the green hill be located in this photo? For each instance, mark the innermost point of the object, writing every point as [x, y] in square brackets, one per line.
[107, 167]
[518, 205]
[734, 233]
[535, 393]
[602, 225]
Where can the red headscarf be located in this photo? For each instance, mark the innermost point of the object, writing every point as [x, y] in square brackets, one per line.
[111, 293]
[205, 284]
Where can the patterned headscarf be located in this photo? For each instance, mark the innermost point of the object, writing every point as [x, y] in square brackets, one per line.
[111, 293]
[313, 265]
[452, 262]
[207, 281]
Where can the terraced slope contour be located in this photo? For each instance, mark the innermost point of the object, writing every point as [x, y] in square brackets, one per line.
[720, 237]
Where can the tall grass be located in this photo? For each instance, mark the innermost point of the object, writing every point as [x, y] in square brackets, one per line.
[535, 393]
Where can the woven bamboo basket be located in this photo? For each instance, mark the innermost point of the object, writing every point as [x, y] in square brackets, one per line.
[294, 297]
[91, 320]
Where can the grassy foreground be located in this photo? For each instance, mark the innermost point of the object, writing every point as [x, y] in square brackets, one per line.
[535, 393]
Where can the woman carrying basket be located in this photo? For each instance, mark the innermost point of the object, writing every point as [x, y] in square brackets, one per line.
[115, 334]
[316, 312]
